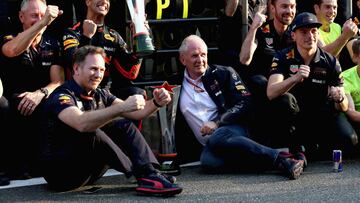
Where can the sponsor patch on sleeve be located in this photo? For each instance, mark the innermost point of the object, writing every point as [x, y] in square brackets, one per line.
[240, 87]
[8, 37]
[109, 37]
[64, 99]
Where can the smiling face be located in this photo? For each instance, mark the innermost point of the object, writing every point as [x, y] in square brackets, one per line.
[326, 11]
[90, 72]
[284, 11]
[98, 7]
[194, 57]
[306, 37]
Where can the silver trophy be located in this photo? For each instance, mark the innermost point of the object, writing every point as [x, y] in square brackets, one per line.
[159, 130]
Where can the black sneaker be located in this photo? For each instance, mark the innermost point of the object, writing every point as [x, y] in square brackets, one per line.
[292, 167]
[156, 184]
[301, 156]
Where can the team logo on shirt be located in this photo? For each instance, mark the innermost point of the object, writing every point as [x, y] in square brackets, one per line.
[269, 41]
[240, 87]
[274, 64]
[320, 71]
[294, 68]
[234, 76]
[109, 37]
[8, 37]
[64, 99]
[290, 54]
[266, 29]
[356, 21]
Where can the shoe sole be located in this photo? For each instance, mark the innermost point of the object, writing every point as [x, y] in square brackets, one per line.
[159, 192]
[297, 170]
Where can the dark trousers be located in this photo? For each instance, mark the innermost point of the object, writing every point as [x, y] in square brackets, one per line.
[119, 145]
[317, 128]
[265, 127]
[23, 140]
[230, 147]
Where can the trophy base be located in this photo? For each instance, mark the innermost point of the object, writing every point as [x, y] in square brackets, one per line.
[168, 164]
[143, 45]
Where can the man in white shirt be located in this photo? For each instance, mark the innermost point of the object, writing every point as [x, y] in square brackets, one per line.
[216, 106]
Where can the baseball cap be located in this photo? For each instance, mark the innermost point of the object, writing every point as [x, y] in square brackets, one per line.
[305, 19]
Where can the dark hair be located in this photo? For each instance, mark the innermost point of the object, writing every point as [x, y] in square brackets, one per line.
[356, 47]
[273, 2]
[82, 52]
[319, 2]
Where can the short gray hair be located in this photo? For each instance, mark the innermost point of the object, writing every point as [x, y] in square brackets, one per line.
[184, 45]
[24, 3]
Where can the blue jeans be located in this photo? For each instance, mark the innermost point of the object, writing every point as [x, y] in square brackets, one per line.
[230, 147]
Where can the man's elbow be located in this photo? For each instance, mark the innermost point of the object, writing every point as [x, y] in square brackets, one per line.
[85, 128]
[245, 60]
[9, 52]
[270, 95]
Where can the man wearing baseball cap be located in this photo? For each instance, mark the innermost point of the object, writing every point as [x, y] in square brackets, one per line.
[306, 79]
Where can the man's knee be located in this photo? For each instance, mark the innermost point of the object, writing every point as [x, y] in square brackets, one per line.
[287, 104]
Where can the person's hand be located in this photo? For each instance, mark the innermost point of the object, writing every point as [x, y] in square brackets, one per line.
[161, 96]
[336, 94]
[208, 128]
[29, 101]
[302, 73]
[259, 19]
[350, 29]
[51, 13]
[134, 103]
[89, 28]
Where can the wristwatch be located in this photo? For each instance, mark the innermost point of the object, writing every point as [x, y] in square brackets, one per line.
[44, 91]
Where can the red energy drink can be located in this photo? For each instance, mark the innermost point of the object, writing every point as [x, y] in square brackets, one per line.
[337, 159]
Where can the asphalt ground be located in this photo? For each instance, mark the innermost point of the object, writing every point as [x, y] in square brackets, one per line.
[318, 183]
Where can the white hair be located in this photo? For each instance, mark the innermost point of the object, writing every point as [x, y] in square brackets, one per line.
[184, 45]
[24, 4]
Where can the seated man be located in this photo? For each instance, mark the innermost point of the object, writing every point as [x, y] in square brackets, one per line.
[32, 72]
[85, 134]
[216, 106]
[308, 78]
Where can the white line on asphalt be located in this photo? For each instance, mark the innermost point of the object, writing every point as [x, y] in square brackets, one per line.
[40, 180]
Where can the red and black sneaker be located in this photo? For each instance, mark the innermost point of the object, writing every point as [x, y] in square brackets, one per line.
[292, 167]
[156, 184]
[300, 156]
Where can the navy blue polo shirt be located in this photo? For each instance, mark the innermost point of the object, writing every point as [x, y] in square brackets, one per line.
[324, 72]
[61, 139]
[30, 70]
[269, 42]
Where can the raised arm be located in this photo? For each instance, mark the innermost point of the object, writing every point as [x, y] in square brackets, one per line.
[349, 30]
[25, 39]
[249, 44]
[277, 86]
